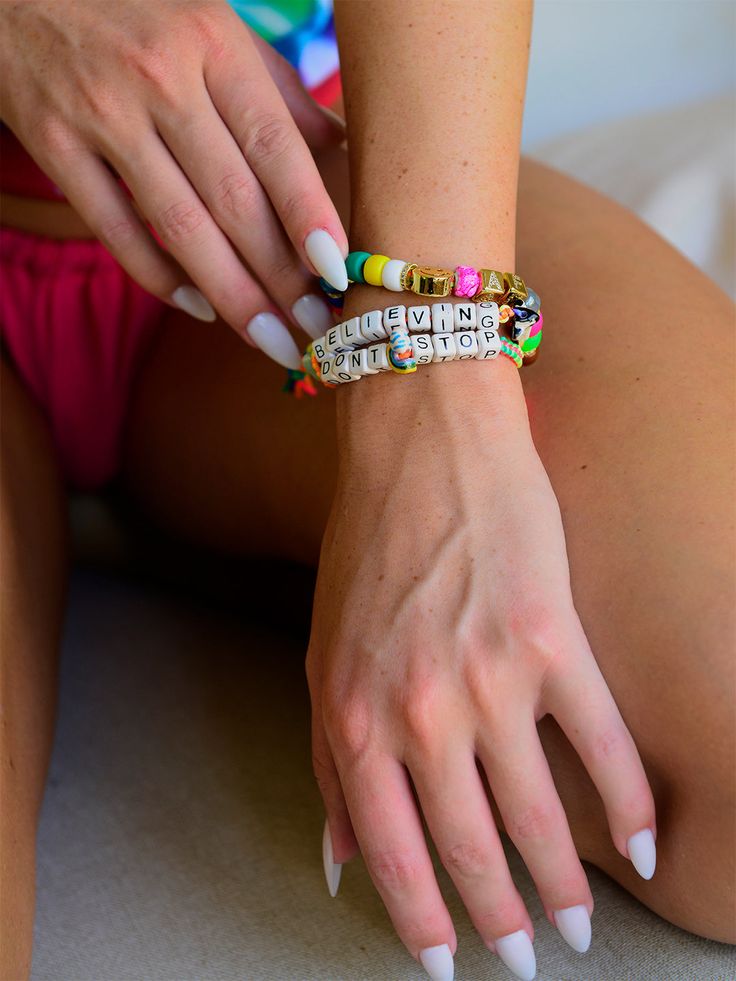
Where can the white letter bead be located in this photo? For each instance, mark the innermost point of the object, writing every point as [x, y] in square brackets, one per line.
[422, 347]
[464, 316]
[324, 368]
[371, 326]
[319, 347]
[442, 319]
[444, 347]
[418, 318]
[378, 358]
[489, 344]
[334, 342]
[394, 317]
[358, 363]
[466, 344]
[340, 369]
[391, 275]
[350, 332]
[487, 316]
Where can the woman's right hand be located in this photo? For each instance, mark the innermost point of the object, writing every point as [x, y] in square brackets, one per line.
[207, 126]
[444, 629]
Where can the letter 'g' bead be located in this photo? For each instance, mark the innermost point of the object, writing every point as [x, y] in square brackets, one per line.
[487, 316]
[373, 268]
[391, 275]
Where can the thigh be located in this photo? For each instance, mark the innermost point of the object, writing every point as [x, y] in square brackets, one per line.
[631, 410]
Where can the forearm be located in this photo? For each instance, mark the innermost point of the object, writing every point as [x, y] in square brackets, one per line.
[434, 96]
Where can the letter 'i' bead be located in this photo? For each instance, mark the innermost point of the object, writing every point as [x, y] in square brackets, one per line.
[442, 318]
[371, 326]
[391, 275]
[373, 268]
[350, 332]
[422, 347]
[418, 318]
[466, 344]
[394, 317]
[465, 316]
[444, 347]
[489, 344]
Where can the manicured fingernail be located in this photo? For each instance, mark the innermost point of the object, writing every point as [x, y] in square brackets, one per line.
[517, 953]
[326, 257]
[574, 925]
[312, 314]
[334, 118]
[272, 337]
[438, 963]
[332, 869]
[643, 852]
[191, 301]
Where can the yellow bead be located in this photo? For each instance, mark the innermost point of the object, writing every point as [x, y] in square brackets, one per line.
[373, 268]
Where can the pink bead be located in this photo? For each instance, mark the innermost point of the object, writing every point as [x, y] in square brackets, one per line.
[537, 326]
[467, 281]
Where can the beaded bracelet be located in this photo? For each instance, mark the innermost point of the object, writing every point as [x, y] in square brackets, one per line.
[459, 332]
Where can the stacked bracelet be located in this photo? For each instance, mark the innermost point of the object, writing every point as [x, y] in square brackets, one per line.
[401, 338]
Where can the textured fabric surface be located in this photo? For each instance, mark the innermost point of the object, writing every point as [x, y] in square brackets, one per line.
[181, 831]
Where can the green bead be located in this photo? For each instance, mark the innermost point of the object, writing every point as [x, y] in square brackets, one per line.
[354, 265]
[532, 342]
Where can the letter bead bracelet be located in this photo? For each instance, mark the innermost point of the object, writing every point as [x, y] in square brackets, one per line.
[401, 338]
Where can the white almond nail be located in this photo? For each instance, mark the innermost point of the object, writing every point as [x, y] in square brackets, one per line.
[517, 953]
[273, 338]
[313, 315]
[438, 963]
[332, 869]
[643, 852]
[324, 254]
[573, 923]
[191, 301]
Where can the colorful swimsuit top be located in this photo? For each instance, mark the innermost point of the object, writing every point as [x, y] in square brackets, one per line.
[302, 31]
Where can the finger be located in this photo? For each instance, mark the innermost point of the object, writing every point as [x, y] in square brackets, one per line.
[388, 827]
[211, 159]
[455, 805]
[535, 820]
[319, 126]
[585, 710]
[94, 193]
[275, 151]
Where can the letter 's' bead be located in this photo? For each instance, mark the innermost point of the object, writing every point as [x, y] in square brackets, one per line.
[354, 265]
[373, 268]
[391, 275]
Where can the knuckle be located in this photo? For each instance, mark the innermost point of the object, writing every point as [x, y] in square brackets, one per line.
[467, 859]
[420, 710]
[56, 138]
[116, 232]
[393, 870]
[235, 195]
[350, 723]
[609, 744]
[180, 222]
[539, 628]
[268, 139]
[535, 821]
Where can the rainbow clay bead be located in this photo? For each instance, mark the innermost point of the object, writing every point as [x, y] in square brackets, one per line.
[354, 265]
[373, 268]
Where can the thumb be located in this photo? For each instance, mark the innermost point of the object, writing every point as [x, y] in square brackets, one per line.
[319, 126]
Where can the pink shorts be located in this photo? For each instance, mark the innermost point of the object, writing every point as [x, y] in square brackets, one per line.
[76, 327]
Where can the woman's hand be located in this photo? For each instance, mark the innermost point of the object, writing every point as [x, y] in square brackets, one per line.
[444, 629]
[202, 120]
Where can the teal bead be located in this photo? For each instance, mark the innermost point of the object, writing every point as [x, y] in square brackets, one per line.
[354, 265]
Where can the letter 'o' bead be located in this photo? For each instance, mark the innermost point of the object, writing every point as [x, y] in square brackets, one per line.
[373, 268]
[391, 275]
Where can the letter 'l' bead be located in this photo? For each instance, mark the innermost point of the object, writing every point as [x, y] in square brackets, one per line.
[466, 344]
[444, 347]
[371, 326]
[418, 318]
[334, 342]
[422, 347]
[489, 344]
[442, 317]
[465, 316]
[391, 275]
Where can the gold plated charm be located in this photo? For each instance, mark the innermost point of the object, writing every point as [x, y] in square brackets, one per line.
[516, 291]
[491, 286]
[406, 275]
[428, 281]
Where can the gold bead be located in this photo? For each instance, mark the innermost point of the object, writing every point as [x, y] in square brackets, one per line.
[405, 277]
[491, 286]
[515, 289]
[427, 281]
